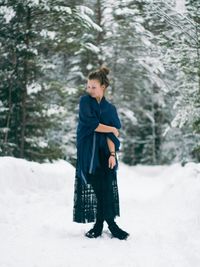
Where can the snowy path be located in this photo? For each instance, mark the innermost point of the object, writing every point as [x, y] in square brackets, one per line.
[160, 207]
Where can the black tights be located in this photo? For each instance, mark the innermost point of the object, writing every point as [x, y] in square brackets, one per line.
[103, 188]
[102, 184]
[110, 221]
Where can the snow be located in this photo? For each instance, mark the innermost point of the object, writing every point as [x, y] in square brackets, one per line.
[180, 6]
[92, 47]
[33, 3]
[64, 9]
[8, 13]
[83, 13]
[89, 66]
[50, 34]
[159, 207]
[33, 88]
[129, 114]
[54, 109]
[125, 11]
[85, 9]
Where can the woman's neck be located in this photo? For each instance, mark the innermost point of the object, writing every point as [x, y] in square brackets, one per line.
[99, 99]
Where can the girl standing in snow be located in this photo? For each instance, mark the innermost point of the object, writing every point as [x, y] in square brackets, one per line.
[96, 195]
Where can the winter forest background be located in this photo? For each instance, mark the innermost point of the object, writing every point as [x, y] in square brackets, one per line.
[47, 49]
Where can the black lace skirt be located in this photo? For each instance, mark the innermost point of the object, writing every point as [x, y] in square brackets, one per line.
[99, 198]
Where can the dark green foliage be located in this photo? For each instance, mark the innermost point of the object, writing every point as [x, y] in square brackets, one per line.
[33, 106]
[48, 49]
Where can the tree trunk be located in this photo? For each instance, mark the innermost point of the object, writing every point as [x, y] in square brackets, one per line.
[8, 116]
[99, 22]
[24, 83]
[198, 56]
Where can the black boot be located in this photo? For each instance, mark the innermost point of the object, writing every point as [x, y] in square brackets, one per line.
[96, 230]
[117, 232]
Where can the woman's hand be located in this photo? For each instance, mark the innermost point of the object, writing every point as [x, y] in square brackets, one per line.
[111, 162]
[115, 131]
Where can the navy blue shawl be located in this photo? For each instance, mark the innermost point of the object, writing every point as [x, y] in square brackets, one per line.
[91, 113]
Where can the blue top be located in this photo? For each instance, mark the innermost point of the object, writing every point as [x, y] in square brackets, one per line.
[88, 142]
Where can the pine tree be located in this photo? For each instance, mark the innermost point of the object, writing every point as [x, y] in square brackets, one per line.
[182, 45]
[33, 35]
[128, 47]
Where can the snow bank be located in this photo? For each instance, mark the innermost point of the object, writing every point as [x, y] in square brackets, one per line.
[20, 175]
[159, 206]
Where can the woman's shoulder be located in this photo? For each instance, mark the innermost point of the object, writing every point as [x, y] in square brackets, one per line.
[84, 98]
[111, 105]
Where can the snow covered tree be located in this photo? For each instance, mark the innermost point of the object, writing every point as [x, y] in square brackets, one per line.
[181, 43]
[47, 49]
[32, 35]
[127, 48]
[145, 44]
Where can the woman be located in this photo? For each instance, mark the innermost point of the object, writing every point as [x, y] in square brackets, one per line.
[96, 195]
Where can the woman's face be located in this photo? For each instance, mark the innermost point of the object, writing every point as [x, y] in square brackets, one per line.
[95, 89]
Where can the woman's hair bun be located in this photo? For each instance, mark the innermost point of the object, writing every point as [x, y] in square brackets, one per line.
[105, 70]
[100, 75]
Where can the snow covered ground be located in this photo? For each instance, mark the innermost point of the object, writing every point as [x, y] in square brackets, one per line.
[160, 208]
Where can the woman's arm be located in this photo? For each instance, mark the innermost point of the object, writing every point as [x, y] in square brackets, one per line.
[102, 128]
[111, 145]
[111, 160]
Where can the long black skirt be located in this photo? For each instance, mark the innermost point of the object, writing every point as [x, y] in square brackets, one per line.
[99, 198]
